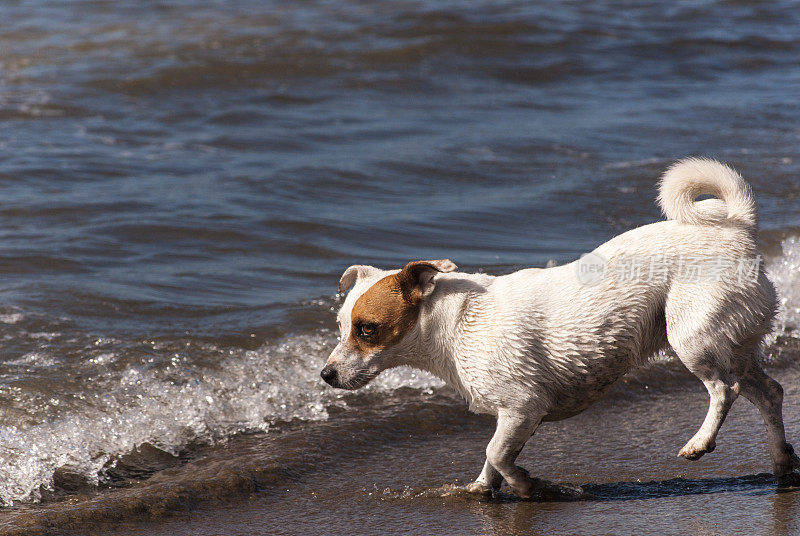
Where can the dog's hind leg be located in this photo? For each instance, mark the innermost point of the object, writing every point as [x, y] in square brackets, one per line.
[712, 368]
[708, 356]
[722, 392]
[767, 395]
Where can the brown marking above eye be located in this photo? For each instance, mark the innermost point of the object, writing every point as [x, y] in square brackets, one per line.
[391, 306]
[381, 316]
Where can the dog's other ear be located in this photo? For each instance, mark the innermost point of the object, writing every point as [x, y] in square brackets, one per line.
[353, 274]
[416, 279]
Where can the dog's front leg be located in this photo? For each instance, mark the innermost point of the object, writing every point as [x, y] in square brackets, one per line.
[513, 430]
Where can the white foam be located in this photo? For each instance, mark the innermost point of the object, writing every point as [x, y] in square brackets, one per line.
[405, 377]
[39, 359]
[11, 318]
[785, 273]
[626, 164]
[172, 406]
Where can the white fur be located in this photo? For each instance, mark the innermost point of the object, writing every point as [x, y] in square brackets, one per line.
[539, 345]
[691, 177]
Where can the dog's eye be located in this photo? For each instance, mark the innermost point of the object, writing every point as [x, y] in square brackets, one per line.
[367, 330]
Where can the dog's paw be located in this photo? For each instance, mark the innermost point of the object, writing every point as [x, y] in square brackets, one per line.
[694, 449]
[794, 461]
[789, 480]
[523, 485]
[525, 489]
[479, 488]
[536, 489]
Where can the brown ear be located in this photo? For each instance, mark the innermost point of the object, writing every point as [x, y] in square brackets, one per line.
[353, 274]
[416, 279]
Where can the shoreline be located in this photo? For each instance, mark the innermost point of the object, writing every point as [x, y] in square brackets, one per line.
[402, 457]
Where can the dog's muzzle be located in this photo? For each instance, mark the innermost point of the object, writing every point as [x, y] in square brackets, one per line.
[330, 376]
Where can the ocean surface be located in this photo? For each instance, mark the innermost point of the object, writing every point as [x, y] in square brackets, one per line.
[182, 184]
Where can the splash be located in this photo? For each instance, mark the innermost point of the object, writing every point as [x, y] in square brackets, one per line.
[784, 271]
[173, 406]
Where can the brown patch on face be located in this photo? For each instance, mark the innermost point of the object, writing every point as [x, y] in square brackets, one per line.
[389, 309]
[388, 306]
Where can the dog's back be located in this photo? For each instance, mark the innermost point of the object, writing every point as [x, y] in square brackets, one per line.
[560, 338]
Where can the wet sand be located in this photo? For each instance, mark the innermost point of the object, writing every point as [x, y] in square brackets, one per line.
[388, 468]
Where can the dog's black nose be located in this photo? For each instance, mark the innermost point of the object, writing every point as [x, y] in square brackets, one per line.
[329, 374]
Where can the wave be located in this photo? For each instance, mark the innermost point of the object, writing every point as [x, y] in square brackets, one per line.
[172, 407]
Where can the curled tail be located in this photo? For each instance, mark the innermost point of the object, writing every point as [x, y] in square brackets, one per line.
[691, 177]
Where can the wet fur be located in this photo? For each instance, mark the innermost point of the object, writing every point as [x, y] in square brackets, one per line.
[541, 345]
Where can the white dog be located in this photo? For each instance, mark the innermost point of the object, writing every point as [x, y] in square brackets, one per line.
[542, 344]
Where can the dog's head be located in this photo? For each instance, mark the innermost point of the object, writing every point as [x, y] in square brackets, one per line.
[377, 320]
